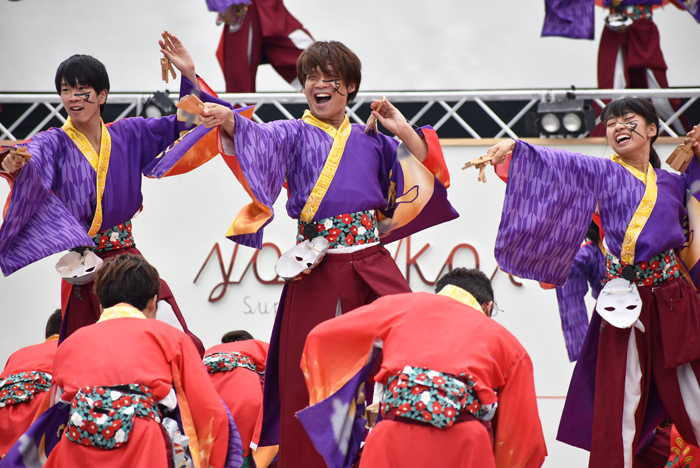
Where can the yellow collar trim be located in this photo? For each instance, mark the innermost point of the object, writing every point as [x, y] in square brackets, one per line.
[340, 138]
[53, 337]
[99, 163]
[121, 310]
[459, 294]
[641, 215]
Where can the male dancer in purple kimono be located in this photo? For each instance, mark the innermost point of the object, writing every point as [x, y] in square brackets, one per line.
[344, 184]
[82, 185]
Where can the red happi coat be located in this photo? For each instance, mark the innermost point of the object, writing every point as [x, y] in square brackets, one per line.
[442, 334]
[241, 388]
[15, 419]
[154, 354]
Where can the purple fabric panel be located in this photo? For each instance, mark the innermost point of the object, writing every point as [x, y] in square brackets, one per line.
[270, 432]
[664, 228]
[694, 10]
[588, 268]
[569, 18]
[267, 152]
[338, 448]
[362, 179]
[135, 143]
[310, 155]
[38, 223]
[550, 198]
[234, 455]
[45, 431]
[692, 177]
[220, 5]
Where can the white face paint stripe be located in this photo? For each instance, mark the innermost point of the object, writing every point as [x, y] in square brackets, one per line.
[633, 393]
[690, 391]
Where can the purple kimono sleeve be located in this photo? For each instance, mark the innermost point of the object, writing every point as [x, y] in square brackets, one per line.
[569, 18]
[37, 224]
[690, 253]
[263, 153]
[588, 267]
[550, 199]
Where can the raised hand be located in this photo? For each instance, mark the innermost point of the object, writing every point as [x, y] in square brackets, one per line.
[693, 138]
[177, 53]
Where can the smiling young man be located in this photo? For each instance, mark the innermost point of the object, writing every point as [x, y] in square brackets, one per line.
[353, 188]
[82, 185]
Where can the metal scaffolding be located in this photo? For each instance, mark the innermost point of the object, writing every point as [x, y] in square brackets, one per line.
[447, 102]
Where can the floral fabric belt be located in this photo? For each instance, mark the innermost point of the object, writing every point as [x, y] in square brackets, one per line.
[635, 12]
[662, 267]
[118, 237]
[21, 388]
[104, 416]
[223, 361]
[434, 397]
[342, 231]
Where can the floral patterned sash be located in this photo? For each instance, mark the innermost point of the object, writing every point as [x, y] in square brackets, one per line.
[21, 388]
[104, 416]
[345, 230]
[118, 237]
[223, 361]
[659, 269]
[434, 397]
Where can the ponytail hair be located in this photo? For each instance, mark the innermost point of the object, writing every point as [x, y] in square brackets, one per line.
[644, 109]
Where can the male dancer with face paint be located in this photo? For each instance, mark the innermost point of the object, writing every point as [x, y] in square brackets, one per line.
[348, 186]
[82, 185]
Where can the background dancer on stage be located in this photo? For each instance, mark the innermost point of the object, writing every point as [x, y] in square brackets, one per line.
[24, 384]
[237, 370]
[345, 185]
[458, 388]
[256, 32]
[82, 185]
[630, 378]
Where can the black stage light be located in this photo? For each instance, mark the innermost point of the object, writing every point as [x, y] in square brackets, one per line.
[561, 118]
[159, 105]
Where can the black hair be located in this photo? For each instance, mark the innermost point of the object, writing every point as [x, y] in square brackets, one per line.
[53, 325]
[236, 335]
[126, 278]
[83, 70]
[593, 232]
[474, 281]
[345, 63]
[644, 109]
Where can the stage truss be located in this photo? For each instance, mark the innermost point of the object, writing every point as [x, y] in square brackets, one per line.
[288, 105]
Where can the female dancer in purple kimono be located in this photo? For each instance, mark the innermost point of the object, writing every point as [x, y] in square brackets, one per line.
[626, 380]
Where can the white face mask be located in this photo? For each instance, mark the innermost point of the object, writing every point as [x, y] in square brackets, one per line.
[619, 304]
[301, 259]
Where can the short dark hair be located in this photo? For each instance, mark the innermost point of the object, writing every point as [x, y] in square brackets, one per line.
[126, 278]
[474, 281]
[236, 335]
[345, 63]
[53, 325]
[83, 70]
[644, 109]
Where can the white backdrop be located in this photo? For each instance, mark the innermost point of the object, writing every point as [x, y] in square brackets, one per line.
[404, 44]
[185, 216]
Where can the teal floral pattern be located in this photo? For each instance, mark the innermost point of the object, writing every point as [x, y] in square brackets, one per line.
[222, 362]
[118, 237]
[104, 416]
[21, 388]
[659, 269]
[345, 230]
[434, 397]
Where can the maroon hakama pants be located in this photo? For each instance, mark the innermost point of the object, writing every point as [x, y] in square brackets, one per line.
[670, 318]
[356, 279]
